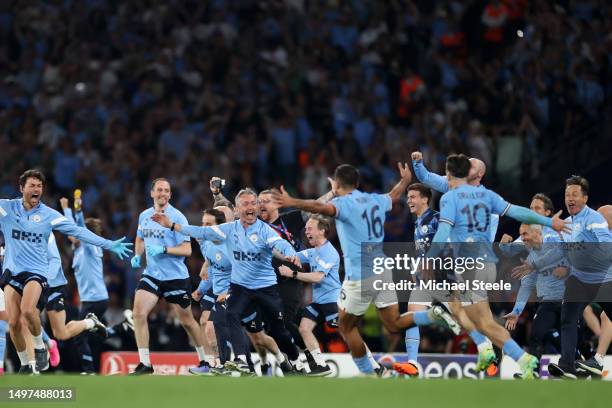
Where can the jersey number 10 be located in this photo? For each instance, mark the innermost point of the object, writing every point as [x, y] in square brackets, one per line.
[472, 216]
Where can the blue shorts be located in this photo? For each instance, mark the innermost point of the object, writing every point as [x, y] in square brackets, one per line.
[322, 312]
[207, 301]
[175, 291]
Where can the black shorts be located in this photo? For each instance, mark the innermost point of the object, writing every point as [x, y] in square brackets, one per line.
[175, 291]
[18, 282]
[56, 299]
[251, 320]
[208, 301]
[322, 312]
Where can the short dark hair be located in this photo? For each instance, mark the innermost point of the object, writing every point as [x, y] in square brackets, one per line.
[218, 214]
[423, 190]
[324, 223]
[94, 225]
[347, 176]
[32, 173]
[458, 165]
[578, 181]
[154, 182]
[548, 204]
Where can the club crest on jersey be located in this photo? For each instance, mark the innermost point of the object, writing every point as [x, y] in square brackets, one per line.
[36, 218]
[218, 256]
[424, 229]
[253, 238]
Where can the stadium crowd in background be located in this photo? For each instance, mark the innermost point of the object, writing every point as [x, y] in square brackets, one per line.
[108, 95]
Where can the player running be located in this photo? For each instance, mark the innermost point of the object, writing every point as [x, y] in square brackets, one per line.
[465, 217]
[219, 268]
[425, 227]
[3, 320]
[26, 224]
[250, 242]
[440, 183]
[324, 263]
[56, 308]
[89, 275]
[165, 274]
[360, 220]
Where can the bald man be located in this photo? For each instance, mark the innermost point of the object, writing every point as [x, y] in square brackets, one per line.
[594, 365]
[440, 184]
[260, 340]
[606, 211]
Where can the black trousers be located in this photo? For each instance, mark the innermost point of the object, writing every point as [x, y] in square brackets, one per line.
[291, 294]
[547, 318]
[576, 297]
[269, 302]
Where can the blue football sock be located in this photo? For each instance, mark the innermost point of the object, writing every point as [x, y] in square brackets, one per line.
[413, 339]
[46, 337]
[513, 350]
[478, 337]
[364, 364]
[421, 318]
[3, 331]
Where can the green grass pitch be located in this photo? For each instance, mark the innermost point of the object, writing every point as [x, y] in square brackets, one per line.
[224, 392]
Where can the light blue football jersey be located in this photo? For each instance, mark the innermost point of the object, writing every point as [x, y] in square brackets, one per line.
[360, 219]
[324, 259]
[163, 266]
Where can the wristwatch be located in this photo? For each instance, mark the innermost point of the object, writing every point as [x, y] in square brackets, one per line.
[172, 226]
[295, 273]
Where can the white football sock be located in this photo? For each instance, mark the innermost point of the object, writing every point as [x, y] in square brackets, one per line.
[318, 357]
[145, 358]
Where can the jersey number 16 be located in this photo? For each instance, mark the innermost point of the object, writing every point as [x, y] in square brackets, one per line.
[374, 223]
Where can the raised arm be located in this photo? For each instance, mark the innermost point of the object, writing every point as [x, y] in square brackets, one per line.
[78, 217]
[216, 192]
[398, 191]
[431, 180]
[68, 214]
[313, 206]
